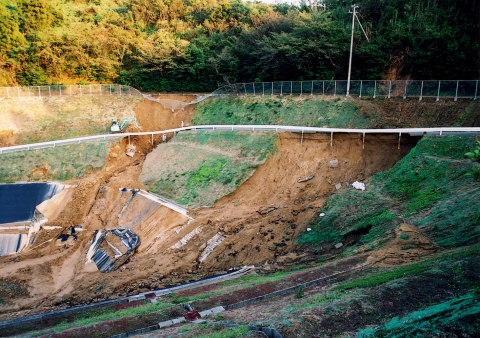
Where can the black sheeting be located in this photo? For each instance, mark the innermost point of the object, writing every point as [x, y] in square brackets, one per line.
[18, 201]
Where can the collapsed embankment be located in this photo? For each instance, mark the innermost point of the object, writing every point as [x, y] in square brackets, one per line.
[258, 222]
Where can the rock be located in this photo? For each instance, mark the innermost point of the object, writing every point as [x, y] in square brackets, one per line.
[332, 164]
[322, 214]
[338, 186]
[358, 185]
[338, 246]
[305, 179]
[309, 229]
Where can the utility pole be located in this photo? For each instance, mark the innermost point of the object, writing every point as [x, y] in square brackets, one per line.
[354, 15]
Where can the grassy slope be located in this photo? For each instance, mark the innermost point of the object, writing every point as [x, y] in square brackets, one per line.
[428, 188]
[44, 119]
[318, 111]
[196, 169]
[60, 163]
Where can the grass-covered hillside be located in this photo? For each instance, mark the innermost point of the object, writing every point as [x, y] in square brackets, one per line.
[432, 188]
[61, 163]
[34, 119]
[197, 168]
[337, 112]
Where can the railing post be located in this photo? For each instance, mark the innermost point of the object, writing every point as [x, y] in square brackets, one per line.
[263, 88]
[253, 85]
[335, 90]
[311, 93]
[456, 93]
[375, 90]
[476, 90]
[421, 92]
[281, 88]
[120, 90]
[39, 94]
[438, 91]
[389, 88]
[361, 84]
[272, 88]
[301, 88]
[291, 88]
[405, 90]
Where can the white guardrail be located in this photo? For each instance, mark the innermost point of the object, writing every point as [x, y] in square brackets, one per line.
[272, 128]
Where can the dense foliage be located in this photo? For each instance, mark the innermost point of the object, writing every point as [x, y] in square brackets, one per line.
[198, 45]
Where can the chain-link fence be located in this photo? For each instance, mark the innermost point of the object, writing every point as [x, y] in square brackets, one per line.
[69, 90]
[359, 88]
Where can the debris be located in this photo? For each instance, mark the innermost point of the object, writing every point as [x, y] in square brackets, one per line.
[192, 315]
[332, 164]
[305, 179]
[338, 186]
[358, 185]
[130, 150]
[322, 214]
[309, 229]
[338, 246]
[266, 210]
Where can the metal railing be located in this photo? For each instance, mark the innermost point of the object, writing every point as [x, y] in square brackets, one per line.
[69, 90]
[456, 89]
[254, 128]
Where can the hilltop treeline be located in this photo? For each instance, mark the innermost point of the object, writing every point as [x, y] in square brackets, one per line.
[198, 45]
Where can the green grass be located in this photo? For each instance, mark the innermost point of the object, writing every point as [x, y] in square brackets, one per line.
[312, 112]
[61, 163]
[198, 168]
[219, 332]
[98, 316]
[428, 188]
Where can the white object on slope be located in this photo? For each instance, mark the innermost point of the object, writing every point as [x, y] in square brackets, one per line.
[359, 185]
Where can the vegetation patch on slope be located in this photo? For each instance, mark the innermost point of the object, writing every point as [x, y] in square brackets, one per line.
[33, 119]
[61, 163]
[197, 168]
[294, 111]
[427, 188]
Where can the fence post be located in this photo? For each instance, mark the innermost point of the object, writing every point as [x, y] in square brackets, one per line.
[301, 88]
[438, 91]
[476, 89]
[253, 85]
[120, 91]
[110, 86]
[272, 88]
[281, 88]
[49, 91]
[323, 90]
[39, 94]
[389, 88]
[263, 88]
[60, 90]
[291, 88]
[405, 91]
[311, 93]
[456, 93]
[361, 84]
[375, 90]
[245, 89]
[421, 92]
[335, 90]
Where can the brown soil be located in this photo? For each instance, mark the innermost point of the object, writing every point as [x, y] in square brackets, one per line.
[260, 219]
[409, 245]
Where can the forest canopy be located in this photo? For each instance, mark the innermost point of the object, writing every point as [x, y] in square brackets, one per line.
[199, 45]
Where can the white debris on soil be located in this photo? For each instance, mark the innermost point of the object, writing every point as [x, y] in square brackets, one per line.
[186, 238]
[93, 247]
[309, 229]
[358, 185]
[322, 214]
[212, 243]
